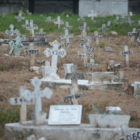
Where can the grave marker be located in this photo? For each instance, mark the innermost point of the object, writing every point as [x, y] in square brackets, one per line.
[31, 28]
[67, 26]
[11, 33]
[84, 29]
[49, 19]
[55, 52]
[20, 17]
[23, 101]
[92, 14]
[67, 37]
[59, 22]
[16, 47]
[136, 86]
[126, 53]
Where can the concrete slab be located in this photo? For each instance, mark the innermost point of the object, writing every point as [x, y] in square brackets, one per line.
[16, 131]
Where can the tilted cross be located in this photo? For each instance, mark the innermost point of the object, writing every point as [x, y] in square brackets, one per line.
[55, 52]
[126, 53]
[11, 33]
[16, 47]
[32, 27]
[58, 22]
[23, 101]
[67, 37]
[92, 14]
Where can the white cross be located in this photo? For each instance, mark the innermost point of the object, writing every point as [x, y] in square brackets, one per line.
[49, 19]
[67, 26]
[55, 52]
[67, 37]
[58, 22]
[32, 27]
[84, 29]
[26, 23]
[41, 32]
[11, 33]
[19, 17]
[23, 101]
[126, 53]
[92, 14]
[36, 95]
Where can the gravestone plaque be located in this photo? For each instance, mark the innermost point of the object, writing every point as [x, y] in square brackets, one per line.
[65, 115]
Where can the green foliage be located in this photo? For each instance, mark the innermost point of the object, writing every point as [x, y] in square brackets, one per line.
[8, 116]
[121, 29]
[3, 68]
[101, 44]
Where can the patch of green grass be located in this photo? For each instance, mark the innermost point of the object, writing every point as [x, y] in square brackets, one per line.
[121, 29]
[101, 44]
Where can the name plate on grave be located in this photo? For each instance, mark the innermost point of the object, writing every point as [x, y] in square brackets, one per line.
[65, 115]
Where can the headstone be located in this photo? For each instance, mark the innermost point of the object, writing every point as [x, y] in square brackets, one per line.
[65, 115]
[23, 101]
[11, 33]
[103, 28]
[97, 37]
[31, 28]
[92, 14]
[49, 19]
[55, 52]
[136, 86]
[67, 26]
[33, 137]
[67, 37]
[20, 17]
[32, 52]
[27, 24]
[59, 22]
[108, 23]
[16, 47]
[126, 53]
[91, 65]
[113, 109]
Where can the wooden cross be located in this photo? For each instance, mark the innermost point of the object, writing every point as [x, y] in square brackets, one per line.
[32, 27]
[92, 14]
[32, 52]
[55, 52]
[23, 101]
[67, 37]
[58, 22]
[126, 53]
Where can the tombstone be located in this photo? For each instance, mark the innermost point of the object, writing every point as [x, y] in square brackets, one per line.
[55, 52]
[88, 51]
[32, 52]
[31, 28]
[84, 29]
[96, 37]
[11, 33]
[58, 22]
[108, 23]
[68, 72]
[134, 34]
[91, 65]
[16, 47]
[66, 37]
[92, 14]
[41, 32]
[113, 110]
[126, 53]
[136, 86]
[33, 137]
[23, 101]
[20, 17]
[103, 28]
[111, 65]
[26, 24]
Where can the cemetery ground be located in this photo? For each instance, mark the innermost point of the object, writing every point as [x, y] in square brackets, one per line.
[15, 71]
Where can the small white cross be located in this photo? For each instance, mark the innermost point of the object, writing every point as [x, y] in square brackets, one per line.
[92, 14]
[84, 29]
[19, 17]
[58, 22]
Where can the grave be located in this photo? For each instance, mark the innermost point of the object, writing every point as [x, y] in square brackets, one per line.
[92, 14]
[16, 47]
[88, 51]
[33, 137]
[66, 37]
[55, 52]
[58, 22]
[135, 34]
[49, 19]
[12, 33]
[20, 17]
[126, 53]
[67, 26]
[84, 29]
[136, 89]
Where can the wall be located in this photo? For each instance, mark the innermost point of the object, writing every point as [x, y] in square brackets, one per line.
[103, 7]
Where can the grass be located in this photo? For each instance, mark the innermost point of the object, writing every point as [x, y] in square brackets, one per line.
[121, 29]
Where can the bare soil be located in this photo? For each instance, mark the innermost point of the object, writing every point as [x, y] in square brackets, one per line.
[14, 72]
